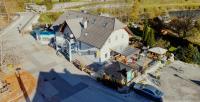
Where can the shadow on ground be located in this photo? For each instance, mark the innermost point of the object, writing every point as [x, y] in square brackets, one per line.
[51, 87]
[196, 82]
[33, 34]
[67, 87]
[22, 87]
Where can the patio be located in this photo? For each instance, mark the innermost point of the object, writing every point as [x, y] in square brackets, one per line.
[88, 60]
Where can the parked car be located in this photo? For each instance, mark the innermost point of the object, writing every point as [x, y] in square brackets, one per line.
[124, 90]
[149, 91]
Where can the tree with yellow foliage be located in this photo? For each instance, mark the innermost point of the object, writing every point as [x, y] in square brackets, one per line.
[135, 10]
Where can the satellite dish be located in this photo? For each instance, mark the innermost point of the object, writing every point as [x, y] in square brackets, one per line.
[71, 36]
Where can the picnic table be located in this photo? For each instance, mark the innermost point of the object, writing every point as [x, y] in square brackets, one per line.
[4, 86]
[82, 67]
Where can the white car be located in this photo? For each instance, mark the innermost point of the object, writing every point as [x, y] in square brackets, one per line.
[149, 91]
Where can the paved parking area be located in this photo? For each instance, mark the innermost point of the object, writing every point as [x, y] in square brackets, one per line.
[181, 82]
[56, 88]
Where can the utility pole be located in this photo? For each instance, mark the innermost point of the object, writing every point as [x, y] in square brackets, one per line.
[1, 54]
[6, 10]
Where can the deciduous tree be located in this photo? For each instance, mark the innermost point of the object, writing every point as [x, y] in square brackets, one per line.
[135, 10]
[182, 25]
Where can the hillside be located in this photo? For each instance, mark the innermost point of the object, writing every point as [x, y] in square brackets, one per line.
[169, 3]
[155, 7]
[14, 5]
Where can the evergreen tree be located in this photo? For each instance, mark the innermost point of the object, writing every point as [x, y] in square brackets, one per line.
[151, 39]
[196, 56]
[189, 54]
[148, 35]
[145, 30]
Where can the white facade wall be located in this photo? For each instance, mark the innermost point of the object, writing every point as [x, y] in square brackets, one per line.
[60, 40]
[119, 40]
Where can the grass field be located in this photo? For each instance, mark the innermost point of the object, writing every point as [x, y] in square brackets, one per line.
[14, 5]
[194, 39]
[150, 2]
[49, 18]
[156, 7]
[169, 4]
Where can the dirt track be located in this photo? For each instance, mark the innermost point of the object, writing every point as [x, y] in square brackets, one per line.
[25, 82]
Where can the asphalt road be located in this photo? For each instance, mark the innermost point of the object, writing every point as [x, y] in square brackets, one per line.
[84, 6]
[12, 28]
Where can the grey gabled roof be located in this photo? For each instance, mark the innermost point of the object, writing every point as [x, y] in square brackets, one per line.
[118, 24]
[75, 26]
[158, 50]
[98, 28]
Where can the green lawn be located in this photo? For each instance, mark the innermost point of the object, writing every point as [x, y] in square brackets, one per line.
[49, 18]
[157, 7]
[38, 1]
[150, 2]
[172, 5]
[194, 39]
[168, 3]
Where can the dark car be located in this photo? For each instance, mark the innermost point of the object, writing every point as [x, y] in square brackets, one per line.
[149, 91]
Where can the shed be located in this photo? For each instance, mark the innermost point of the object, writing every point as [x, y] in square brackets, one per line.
[120, 72]
[158, 50]
[156, 53]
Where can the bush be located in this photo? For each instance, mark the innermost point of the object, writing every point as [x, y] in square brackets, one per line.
[64, 0]
[189, 54]
[172, 49]
[49, 5]
[162, 43]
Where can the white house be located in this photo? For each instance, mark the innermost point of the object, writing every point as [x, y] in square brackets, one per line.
[90, 35]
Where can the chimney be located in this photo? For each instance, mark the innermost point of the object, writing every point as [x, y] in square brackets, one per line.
[85, 24]
[83, 11]
[86, 34]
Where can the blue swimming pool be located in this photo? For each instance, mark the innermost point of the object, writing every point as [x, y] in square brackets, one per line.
[42, 31]
[47, 32]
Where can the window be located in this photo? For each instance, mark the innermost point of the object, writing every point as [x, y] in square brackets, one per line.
[121, 48]
[106, 55]
[116, 37]
[148, 91]
[95, 54]
[109, 40]
[94, 20]
[105, 24]
[122, 36]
